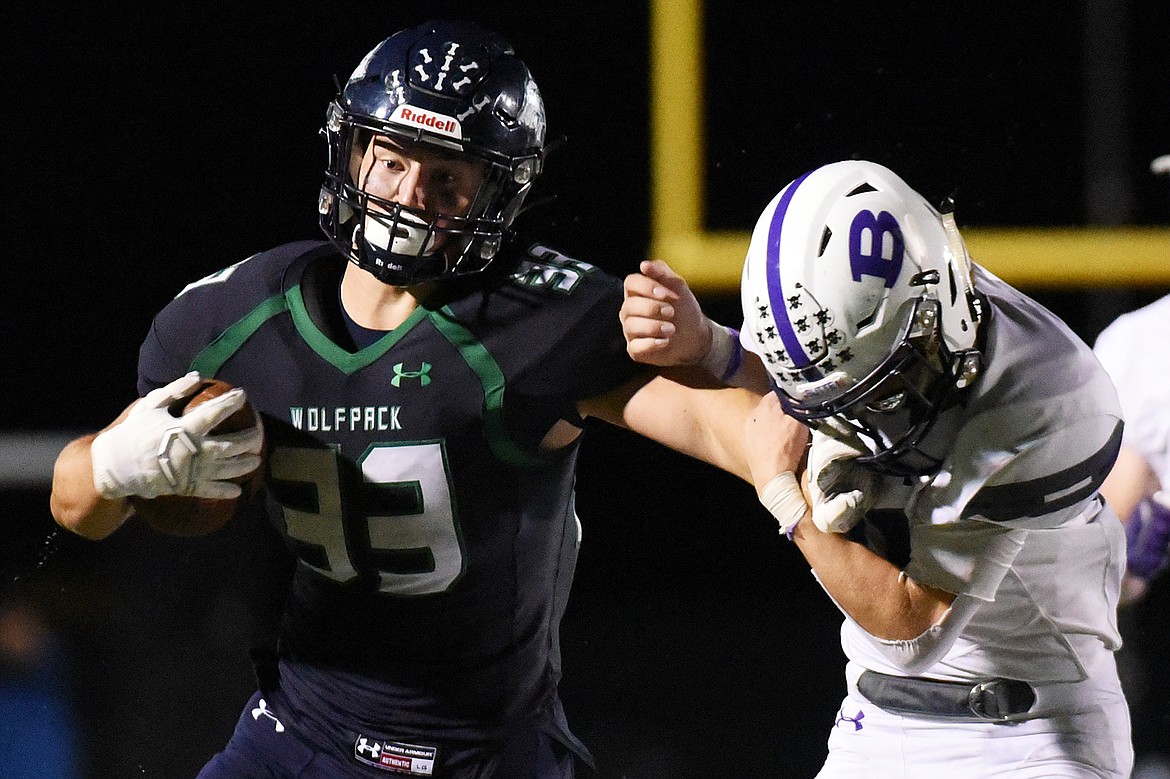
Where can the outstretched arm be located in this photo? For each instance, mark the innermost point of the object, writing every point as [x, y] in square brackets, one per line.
[1132, 490]
[664, 325]
[874, 592]
[684, 410]
[1129, 481]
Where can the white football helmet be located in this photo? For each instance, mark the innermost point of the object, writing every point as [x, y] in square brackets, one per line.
[858, 297]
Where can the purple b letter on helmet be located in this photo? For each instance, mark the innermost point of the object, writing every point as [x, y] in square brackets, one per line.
[1147, 535]
[874, 262]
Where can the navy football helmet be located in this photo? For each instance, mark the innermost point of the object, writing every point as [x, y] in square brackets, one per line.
[458, 88]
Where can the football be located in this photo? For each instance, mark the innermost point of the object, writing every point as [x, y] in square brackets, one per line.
[184, 515]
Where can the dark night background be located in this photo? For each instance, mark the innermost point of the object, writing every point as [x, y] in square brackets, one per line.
[145, 148]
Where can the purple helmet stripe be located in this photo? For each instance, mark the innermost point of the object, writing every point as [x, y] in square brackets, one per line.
[776, 300]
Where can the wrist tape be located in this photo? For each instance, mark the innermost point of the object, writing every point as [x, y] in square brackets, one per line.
[725, 356]
[783, 498]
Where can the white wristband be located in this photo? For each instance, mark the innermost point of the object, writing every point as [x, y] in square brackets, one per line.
[725, 355]
[783, 498]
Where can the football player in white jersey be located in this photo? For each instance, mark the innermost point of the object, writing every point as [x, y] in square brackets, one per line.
[948, 499]
[1137, 365]
[1136, 489]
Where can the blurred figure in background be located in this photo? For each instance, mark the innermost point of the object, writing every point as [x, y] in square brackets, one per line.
[1136, 355]
[38, 726]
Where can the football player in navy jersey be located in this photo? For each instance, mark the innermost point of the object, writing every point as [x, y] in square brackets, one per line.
[949, 504]
[421, 377]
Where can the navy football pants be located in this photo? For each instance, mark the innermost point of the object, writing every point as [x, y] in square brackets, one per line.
[262, 749]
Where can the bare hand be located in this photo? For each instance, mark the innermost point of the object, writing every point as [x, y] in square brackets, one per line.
[661, 319]
[773, 441]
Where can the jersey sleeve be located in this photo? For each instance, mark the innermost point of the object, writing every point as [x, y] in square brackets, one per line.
[204, 309]
[553, 328]
[563, 338]
[177, 334]
[156, 365]
[1140, 370]
[590, 357]
[965, 541]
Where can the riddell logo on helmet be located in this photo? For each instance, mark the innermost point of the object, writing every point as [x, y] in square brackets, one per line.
[437, 123]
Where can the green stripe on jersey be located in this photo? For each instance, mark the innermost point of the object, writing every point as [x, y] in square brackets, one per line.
[492, 379]
[344, 361]
[215, 354]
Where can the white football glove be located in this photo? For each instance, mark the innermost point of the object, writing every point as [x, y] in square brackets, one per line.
[152, 453]
[841, 490]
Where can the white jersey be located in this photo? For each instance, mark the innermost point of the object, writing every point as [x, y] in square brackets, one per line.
[1135, 351]
[1012, 522]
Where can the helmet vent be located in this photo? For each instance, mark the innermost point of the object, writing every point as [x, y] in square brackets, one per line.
[922, 278]
[825, 236]
[866, 321]
[862, 189]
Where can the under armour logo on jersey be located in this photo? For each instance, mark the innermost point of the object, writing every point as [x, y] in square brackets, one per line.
[263, 711]
[396, 757]
[855, 720]
[876, 246]
[423, 374]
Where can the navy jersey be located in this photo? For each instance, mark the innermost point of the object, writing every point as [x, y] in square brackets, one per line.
[435, 543]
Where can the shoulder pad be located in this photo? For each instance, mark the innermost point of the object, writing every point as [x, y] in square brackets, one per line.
[258, 265]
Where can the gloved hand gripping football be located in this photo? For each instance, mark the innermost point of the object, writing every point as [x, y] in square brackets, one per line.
[153, 452]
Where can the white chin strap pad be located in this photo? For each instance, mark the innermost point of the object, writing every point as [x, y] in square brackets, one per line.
[409, 237]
